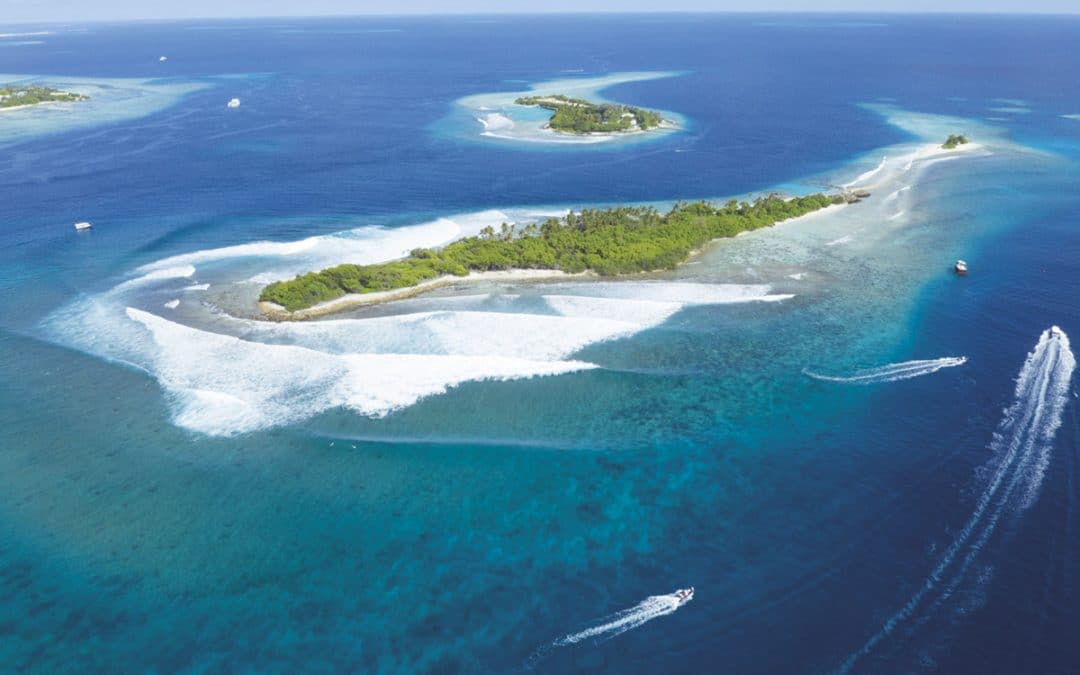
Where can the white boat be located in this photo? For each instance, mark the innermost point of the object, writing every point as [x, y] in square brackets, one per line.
[163, 59]
[79, 227]
[685, 595]
[961, 267]
[234, 103]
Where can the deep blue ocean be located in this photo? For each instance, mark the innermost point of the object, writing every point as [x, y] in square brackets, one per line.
[179, 492]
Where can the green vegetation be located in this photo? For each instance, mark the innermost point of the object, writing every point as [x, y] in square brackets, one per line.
[12, 96]
[578, 116]
[608, 242]
[954, 140]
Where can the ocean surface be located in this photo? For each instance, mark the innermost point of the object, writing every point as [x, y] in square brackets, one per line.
[861, 462]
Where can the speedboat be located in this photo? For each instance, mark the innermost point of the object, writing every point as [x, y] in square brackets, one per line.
[79, 227]
[684, 595]
[960, 267]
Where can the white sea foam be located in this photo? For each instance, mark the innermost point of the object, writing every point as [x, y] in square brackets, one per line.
[245, 375]
[894, 195]
[223, 385]
[689, 293]
[898, 215]
[578, 321]
[196, 287]
[641, 313]
[160, 274]
[938, 160]
[363, 245]
[552, 139]
[452, 333]
[1021, 451]
[841, 240]
[495, 122]
[172, 304]
[893, 372]
[869, 174]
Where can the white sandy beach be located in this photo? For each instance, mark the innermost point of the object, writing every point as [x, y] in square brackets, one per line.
[278, 313]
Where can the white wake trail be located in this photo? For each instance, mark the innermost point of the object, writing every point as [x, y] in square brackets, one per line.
[652, 607]
[892, 372]
[1021, 449]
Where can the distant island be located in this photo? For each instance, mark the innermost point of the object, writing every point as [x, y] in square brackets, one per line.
[607, 242]
[578, 116]
[954, 141]
[15, 96]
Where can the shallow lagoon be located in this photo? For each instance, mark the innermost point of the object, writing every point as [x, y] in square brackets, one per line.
[469, 529]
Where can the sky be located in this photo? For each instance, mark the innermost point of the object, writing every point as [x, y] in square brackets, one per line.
[14, 11]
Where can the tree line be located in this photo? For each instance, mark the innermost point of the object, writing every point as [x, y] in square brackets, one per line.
[609, 242]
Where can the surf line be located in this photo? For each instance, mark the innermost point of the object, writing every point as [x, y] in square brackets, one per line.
[892, 372]
[1021, 449]
[652, 607]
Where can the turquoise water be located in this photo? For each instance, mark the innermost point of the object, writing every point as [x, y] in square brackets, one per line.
[188, 491]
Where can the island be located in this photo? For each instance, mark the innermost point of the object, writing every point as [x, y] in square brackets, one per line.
[954, 141]
[578, 116]
[606, 242]
[16, 96]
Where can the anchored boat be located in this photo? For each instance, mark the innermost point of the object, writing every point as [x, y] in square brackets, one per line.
[961, 268]
[79, 227]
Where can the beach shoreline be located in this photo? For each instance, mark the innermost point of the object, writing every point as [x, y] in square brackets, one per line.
[274, 312]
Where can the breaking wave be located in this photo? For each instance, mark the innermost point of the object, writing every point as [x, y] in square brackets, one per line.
[225, 375]
[1021, 452]
[869, 174]
[893, 196]
[892, 372]
[495, 122]
[222, 385]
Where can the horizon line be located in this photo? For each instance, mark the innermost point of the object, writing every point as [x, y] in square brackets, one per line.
[577, 13]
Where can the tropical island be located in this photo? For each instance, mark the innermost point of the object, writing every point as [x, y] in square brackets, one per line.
[606, 242]
[15, 96]
[578, 116]
[954, 141]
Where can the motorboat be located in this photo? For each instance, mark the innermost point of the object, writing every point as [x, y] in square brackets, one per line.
[684, 595]
[961, 267]
[79, 227]
[234, 103]
[163, 59]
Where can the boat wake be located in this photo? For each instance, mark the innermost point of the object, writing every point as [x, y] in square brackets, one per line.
[892, 372]
[1021, 449]
[613, 625]
[652, 607]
